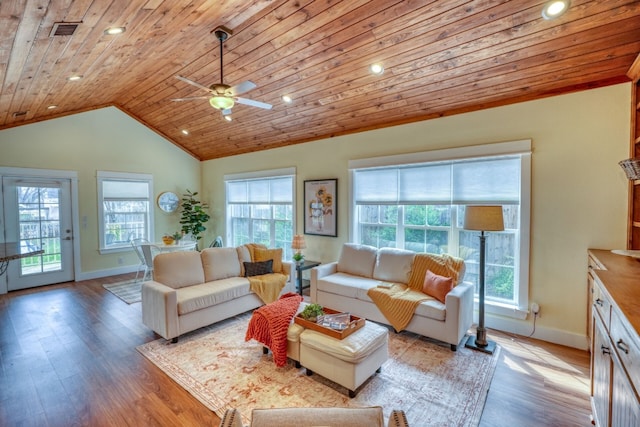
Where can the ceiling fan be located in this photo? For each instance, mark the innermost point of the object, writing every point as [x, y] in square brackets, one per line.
[221, 96]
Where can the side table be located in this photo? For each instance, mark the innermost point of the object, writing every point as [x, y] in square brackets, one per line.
[300, 267]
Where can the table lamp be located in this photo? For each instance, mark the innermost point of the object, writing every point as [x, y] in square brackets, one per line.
[298, 244]
[482, 218]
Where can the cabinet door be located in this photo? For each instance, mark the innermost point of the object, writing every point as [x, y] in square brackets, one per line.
[601, 366]
[625, 407]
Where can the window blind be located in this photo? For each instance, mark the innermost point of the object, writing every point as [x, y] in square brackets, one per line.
[489, 180]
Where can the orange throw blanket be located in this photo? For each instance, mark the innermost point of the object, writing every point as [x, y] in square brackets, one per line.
[270, 323]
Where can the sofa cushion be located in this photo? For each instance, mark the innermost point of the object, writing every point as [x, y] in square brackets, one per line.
[349, 286]
[258, 268]
[432, 309]
[194, 298]
[358, 260]
[220, 263]
[393, 265]
[178, 269]
[260, 254]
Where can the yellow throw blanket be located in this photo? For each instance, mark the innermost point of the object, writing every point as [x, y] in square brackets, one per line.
[442, 265]
[398, 303]
[267, 286]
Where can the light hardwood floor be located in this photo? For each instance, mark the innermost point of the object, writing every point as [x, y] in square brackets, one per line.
[68, 358]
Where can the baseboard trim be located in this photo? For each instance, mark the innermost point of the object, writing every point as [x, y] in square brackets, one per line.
[553, 335]
[97, 274]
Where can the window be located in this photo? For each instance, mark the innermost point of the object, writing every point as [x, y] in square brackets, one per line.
[124, 209]
[419, 205]
[260, 209]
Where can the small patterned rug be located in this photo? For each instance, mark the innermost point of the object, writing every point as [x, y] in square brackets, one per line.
[129, 291]
[432, 384]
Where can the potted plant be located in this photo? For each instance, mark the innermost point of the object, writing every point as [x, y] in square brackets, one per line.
[193, 215]
[298, 257]
[311, 312]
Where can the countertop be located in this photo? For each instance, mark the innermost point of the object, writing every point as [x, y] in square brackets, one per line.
[620, 275]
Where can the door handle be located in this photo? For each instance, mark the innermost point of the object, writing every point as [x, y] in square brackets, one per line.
[67, 238]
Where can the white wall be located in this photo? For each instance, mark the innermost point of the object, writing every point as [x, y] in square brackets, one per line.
[106, 140]
[579, 191]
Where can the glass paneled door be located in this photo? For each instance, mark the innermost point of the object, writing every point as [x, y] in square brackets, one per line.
[37, 215]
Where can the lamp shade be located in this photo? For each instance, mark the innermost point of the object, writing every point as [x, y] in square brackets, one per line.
[483, 218]
[221, 102]
[298, 242]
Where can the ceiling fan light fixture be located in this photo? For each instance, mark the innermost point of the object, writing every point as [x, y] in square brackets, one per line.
[554, 8]
[221, 102]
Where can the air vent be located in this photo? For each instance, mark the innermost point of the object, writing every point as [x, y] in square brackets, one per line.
[64, 28]
[19, 113]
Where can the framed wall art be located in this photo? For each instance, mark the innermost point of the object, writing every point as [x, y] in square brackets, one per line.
[321, 207]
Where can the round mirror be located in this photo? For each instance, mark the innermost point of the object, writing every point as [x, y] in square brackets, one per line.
[168, 201]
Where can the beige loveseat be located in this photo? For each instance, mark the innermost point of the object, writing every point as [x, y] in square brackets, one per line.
[343, 285]
[195, 289]
[326, 417]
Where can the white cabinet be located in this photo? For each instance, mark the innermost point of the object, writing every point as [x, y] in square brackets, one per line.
[615, 358]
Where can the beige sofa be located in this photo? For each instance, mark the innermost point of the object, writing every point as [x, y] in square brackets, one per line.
[326, 417]
[343, 286]
[195, 289]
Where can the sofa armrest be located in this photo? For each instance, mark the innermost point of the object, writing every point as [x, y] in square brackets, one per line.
[160, 309]
[459, 305]
[317, 273]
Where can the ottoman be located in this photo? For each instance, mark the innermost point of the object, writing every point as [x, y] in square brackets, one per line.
[349, 361]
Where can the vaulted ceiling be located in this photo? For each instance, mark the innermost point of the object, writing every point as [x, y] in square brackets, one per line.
[440, 58]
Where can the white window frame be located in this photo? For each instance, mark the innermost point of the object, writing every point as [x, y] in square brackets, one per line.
[521, 148]
[258, 176]
[103, 176]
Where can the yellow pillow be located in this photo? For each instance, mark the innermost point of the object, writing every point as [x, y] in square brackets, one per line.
[260, 254]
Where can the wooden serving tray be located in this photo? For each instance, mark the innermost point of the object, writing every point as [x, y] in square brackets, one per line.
[355, 324]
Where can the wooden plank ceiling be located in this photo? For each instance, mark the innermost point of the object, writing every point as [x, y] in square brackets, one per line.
[440, 58]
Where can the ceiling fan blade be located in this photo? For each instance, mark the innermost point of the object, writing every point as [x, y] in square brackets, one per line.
[253, 103]
[243, 87]
[190, 98]
[191, 82]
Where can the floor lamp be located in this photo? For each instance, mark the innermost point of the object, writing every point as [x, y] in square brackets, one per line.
[482, 218]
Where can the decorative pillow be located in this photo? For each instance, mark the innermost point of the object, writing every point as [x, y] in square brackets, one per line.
[437, 286]
[258, 268]
[269, 254]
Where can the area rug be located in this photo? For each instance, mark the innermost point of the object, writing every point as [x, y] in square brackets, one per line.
[432, 384]
[129, 291]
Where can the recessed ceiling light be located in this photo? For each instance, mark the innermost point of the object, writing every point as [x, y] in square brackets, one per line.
[287, 99]
[228, 118]
[112, 31]
[185, 132]
[555, 8]
[51, 107]
[74, 78]
[376, 69]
